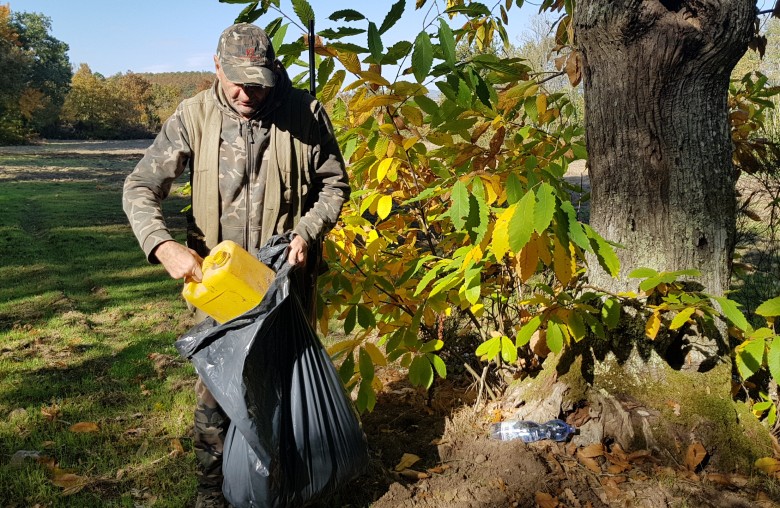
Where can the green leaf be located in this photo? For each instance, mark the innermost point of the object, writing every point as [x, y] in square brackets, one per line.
[472, 10]
[521, 225]
[773, 358]
[350, 320]
[346, 15]
[340, 32]
[508, 350]
[427, 278]
[365, 317]
[554, 337]
[527, 331]
[347, 368]
[422, 57]
[366, 398]
[485, 349]
[420, 372]
[375, 43]
[438, 364]
[459, 209]
[642, 273]
[575, 230]
[750, 355]
[604, 252]
[366, 365]
[545, 207]
[447, 43]
[427, 105]
[396, 11]
[304, 11]
[514, 189]
[769, 308]
[682, 317]
[731, 311]
[611, 312]
[576, 326]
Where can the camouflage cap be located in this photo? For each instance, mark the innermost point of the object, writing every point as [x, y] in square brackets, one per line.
[246, 55]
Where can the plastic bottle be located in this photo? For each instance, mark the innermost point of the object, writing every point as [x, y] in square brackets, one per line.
[234, 282]
[528, 431]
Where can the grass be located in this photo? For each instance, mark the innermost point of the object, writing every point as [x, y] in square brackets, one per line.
[86, 336]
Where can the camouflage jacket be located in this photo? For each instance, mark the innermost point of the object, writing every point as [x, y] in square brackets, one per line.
[251, 179]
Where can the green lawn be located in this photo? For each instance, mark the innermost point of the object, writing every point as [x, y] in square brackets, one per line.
[86, 336]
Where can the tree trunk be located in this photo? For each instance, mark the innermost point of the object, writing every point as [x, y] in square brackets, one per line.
[656, 76]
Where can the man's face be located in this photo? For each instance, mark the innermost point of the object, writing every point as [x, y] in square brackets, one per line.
[245, 99]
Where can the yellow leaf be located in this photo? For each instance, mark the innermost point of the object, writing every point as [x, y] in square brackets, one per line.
[407, 461]
[349, 60]
[543, 248]
[768, 465]
[527, 261]
[343, 345]
[410, 142]
[541, 103]
[84, 427]
[373, 77]
[384, 207]
[653, 325]
[695, 455]
[413, 115]
[376, 101]
[500, 245]
[382, 169]
[562, 262]
[380, 149]
[376, 355]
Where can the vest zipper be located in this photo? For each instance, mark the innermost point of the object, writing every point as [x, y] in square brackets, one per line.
[249, 141]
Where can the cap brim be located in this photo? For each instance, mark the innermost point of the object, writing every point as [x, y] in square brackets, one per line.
[250, 75]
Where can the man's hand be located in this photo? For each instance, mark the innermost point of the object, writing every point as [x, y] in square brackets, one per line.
[297, 252]
[179, 261]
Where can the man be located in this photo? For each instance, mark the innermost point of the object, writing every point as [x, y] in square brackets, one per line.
[262, 160]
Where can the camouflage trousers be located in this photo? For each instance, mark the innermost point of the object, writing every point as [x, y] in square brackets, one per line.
[211, 424]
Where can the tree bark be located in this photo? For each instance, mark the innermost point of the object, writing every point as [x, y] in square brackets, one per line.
[656, 75]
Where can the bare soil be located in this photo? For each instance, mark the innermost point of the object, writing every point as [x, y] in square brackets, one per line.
[431, 448]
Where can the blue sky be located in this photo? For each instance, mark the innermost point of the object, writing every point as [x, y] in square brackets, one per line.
[181, 35]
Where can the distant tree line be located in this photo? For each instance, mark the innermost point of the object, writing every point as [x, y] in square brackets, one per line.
[41, 96]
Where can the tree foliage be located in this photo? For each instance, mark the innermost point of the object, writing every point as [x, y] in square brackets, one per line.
[38, 74]
[460, 221]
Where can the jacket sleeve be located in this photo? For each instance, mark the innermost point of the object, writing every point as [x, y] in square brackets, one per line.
[150, 182]
[330, 184]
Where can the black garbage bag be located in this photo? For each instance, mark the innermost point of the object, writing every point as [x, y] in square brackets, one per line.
[294, 434]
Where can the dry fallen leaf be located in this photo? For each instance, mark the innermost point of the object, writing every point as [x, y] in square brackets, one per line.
[176, 448]
[590, 451]
[545, 500]
[695, 455]
[611, 489]
[414, 475]
[590, 463]
[51, 413]
[84, 427]
[438, 469]
[407, 461]
[70, 483]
